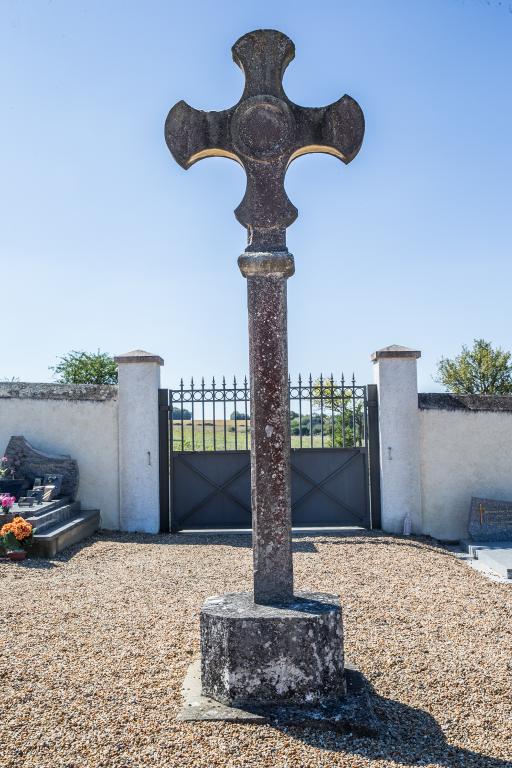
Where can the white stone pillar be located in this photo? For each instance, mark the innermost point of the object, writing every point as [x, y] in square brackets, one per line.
[399, 433]
[139, 381]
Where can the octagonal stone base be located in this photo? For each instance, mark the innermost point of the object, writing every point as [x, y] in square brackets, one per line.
[289, 654]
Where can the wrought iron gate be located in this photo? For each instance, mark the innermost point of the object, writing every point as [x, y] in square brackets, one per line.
[205, 460]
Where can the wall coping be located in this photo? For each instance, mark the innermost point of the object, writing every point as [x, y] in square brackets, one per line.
[138, 356]
[395, 350]
[18, 390]
[443, 401]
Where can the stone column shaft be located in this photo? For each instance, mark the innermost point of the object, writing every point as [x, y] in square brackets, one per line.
[270, 424]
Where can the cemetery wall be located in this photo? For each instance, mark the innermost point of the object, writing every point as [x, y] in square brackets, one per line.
[79, 420]
[465, 451]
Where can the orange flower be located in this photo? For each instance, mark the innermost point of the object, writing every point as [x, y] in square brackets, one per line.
[5, 529]
[19, 527]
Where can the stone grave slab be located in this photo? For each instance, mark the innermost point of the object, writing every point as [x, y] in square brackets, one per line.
[490, 520]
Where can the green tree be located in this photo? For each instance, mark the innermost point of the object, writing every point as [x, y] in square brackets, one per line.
[85, 368]
[239, 416]
[343, 407]
[181, 413]
[481, 370]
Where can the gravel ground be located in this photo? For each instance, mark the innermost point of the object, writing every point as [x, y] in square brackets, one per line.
[98, 641]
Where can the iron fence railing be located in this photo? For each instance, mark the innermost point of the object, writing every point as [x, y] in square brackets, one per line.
[335, 413]
[324, 413]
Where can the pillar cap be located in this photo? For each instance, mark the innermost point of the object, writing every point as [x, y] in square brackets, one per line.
[395, 350]
[138, 356]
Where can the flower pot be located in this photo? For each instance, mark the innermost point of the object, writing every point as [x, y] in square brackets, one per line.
[17, 554]
[14, 487]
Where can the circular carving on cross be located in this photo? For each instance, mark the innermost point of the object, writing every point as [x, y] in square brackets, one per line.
[262, 127]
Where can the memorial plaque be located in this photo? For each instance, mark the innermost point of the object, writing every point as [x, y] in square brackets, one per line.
[49, 493]
[26, 501]
[56, 481]
[490, 520]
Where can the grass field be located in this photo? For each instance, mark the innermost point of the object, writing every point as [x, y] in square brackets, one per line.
[235, 436]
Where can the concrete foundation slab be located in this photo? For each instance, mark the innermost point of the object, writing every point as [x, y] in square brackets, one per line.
[352, 712]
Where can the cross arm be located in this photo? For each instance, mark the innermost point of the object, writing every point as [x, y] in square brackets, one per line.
[192, 134]
[337, 129]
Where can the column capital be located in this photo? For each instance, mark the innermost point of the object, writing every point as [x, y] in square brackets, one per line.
[396, 351]
[138, 356]
[266, 264]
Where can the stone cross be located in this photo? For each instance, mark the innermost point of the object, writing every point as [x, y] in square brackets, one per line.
[265, 132]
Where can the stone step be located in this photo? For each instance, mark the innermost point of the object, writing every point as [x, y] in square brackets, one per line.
[474, 547]
[46, 518]
[39, 509]
[62, 535]
[495, 555]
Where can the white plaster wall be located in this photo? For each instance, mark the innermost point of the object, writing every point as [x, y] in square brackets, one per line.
[463, 454]
[396, 379]
[86, 430]
[138, 441]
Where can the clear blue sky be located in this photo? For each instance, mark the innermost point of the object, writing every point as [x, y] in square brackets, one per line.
[106, 242]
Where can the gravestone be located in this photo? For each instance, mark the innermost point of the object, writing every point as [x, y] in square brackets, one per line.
[272, 646]
[490, 520]
[33, 464]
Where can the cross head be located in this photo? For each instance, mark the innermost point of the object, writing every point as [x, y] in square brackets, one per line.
[265, 132]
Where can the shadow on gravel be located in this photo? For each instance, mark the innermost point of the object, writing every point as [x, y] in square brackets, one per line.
[353, 537]
[379, 538]
[241, 541]
[187, 539]
[34, 564]
[407, 736]
[44, 564]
